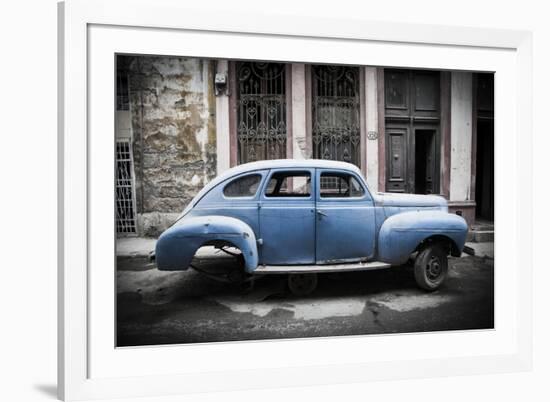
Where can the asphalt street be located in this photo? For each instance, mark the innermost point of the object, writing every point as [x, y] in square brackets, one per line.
[156, 307]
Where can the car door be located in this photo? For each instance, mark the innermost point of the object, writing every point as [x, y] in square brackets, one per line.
[287, 217]
[345, 223]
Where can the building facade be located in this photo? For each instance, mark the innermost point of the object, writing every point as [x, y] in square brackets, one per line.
[182, 121]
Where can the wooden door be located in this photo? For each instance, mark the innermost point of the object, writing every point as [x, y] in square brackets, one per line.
[412, 120]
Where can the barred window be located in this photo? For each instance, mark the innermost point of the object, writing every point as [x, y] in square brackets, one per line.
[335, 113]
[125, 201]
[261, 111]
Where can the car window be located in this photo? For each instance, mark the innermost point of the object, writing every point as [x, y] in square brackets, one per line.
[244, 186]
[289, 184]
[340, 185]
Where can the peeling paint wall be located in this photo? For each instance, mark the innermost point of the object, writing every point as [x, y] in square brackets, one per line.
[299, 114]
[461, 135]
[174, 127]
[371, 125]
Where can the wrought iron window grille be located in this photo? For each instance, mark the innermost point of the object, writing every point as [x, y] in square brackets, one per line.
[261, 111]
[125, 194]
[336, 133]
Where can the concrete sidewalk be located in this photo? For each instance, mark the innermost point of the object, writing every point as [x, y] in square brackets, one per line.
[141, 247]
[485, 249]
[134, 246]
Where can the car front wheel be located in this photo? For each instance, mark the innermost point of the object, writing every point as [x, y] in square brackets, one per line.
[430, 267]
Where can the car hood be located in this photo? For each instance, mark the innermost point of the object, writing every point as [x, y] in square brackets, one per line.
[410, 200]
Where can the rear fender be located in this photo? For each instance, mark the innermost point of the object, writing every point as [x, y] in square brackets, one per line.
[176, 247]
[401, 234]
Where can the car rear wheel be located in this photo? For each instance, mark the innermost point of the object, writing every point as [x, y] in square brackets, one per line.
[430, 267]
[302, 284]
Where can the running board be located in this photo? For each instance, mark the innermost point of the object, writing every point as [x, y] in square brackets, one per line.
[307, 269]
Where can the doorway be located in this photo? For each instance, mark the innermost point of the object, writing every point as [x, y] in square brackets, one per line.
[424, 160]
[485, 170]
[485, 141]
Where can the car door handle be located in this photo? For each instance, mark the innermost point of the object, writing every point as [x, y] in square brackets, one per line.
[321, 213]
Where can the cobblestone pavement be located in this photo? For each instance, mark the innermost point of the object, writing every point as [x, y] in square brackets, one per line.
[156, 307]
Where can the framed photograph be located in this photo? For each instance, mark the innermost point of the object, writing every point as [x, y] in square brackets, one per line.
[254, 201]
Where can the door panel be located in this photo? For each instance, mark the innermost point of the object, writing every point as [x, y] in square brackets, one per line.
[396, 92]
[397, 159]
[287, 219]
[426, 92]
[344, 225]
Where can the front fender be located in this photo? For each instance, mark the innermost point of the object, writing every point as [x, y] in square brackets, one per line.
[176, 247]
[401, 234]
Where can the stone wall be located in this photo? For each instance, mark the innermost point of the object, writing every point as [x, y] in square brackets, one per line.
[172, 105]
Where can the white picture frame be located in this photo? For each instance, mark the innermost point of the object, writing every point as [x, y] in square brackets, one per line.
[92, 32]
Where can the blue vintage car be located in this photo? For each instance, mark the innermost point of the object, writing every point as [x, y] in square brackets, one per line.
[306, 217]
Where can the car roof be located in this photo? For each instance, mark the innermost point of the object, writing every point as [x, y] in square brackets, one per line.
[283, 163]
[275, 164]
[291, 163]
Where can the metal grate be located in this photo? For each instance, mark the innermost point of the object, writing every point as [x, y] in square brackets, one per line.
[335, 112]
[261, 127]
[125, 201]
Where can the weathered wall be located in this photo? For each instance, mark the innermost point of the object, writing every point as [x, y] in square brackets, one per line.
[300, 148]
[371, 113]
[461, 135]
[461, 146]
[174, 125]
[223, 157]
